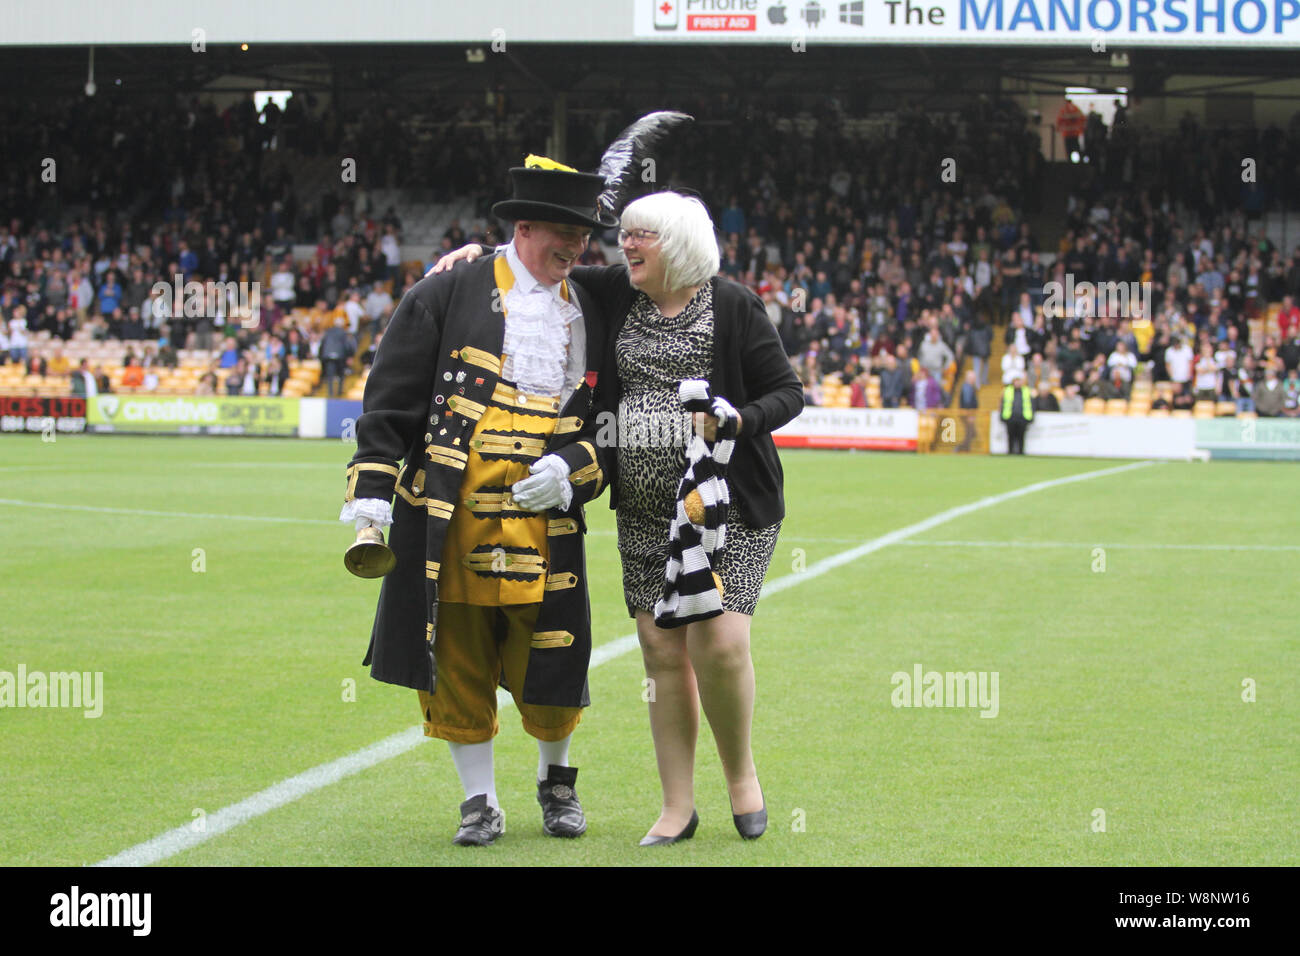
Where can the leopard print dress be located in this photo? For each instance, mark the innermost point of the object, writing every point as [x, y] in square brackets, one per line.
[654, 355]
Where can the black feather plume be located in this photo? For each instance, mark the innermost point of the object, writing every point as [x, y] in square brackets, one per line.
[621, 165]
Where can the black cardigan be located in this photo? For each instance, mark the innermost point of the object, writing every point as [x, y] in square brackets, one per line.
[750, 370]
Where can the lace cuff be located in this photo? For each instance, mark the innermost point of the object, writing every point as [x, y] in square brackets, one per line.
[368, 511]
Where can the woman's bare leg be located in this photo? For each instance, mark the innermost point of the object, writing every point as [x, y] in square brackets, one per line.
[674, 720]
[724, 672]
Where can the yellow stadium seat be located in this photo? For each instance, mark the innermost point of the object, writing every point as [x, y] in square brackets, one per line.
[1225, 408]
[1117, 406]
[1094, 406]
[1203, 409]
[1138, 408]
[1158, 413]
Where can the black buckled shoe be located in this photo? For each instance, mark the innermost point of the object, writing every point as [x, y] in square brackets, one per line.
[480, 824]
[562, 814]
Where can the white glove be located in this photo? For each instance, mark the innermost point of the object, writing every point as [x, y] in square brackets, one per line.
[547, 486]
[367, 512]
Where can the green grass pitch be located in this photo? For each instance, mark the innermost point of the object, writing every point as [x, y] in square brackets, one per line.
[226, 643]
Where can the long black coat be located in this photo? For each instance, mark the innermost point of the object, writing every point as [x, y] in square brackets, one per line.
[416, 411]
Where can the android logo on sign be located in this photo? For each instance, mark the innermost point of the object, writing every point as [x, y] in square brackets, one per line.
[812, 13]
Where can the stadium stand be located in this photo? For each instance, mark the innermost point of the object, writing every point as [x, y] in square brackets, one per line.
[853, 254]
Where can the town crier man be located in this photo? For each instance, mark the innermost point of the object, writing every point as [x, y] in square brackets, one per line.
[478, 416]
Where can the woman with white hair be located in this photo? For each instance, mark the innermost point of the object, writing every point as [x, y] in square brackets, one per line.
[671, 318]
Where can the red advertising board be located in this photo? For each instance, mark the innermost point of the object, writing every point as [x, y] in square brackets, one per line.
[26, 413]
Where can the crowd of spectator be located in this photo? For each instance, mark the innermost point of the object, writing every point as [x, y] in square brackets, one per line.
[117, 264]
[896, 249]
[911, 283]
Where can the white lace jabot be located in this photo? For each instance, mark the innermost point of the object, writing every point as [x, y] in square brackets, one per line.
[545, 341]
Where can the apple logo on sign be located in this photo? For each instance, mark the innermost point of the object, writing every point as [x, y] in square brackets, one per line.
[776, 14]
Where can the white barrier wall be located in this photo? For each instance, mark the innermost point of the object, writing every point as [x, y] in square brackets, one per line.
[1100, 436]
[311, 418]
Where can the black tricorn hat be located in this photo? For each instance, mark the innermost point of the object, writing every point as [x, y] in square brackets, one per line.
[555, 194]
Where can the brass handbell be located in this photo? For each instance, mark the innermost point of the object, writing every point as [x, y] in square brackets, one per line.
[369, 557]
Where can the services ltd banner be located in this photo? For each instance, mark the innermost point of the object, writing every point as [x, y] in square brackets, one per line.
[1095, 24]
[192, 415]
[878, 429]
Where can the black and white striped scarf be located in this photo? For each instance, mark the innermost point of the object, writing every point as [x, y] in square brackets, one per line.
[692, 588]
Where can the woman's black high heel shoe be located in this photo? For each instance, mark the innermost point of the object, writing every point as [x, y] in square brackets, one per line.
[686, 834]
[751, 825]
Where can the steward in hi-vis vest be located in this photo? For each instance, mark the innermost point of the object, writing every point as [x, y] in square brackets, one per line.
[1017, 413]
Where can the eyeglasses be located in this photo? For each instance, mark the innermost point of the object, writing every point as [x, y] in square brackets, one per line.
[640, 235]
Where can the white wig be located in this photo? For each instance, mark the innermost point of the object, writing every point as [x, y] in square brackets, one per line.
[687, 242]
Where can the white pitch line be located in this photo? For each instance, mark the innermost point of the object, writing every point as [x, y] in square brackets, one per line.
[894, 537]
[286, 791]
[1135, 546]
[184, 837]
[264, 464]
[150, 513]
[146, 512]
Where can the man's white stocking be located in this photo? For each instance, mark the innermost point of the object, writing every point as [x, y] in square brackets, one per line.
[474, 767]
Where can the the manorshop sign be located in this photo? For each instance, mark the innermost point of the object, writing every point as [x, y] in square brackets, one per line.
[1091, 23]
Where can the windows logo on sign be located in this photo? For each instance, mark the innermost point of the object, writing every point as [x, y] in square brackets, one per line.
[851, 13]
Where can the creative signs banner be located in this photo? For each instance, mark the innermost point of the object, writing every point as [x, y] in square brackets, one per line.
[192, 415]
[1083, 23]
